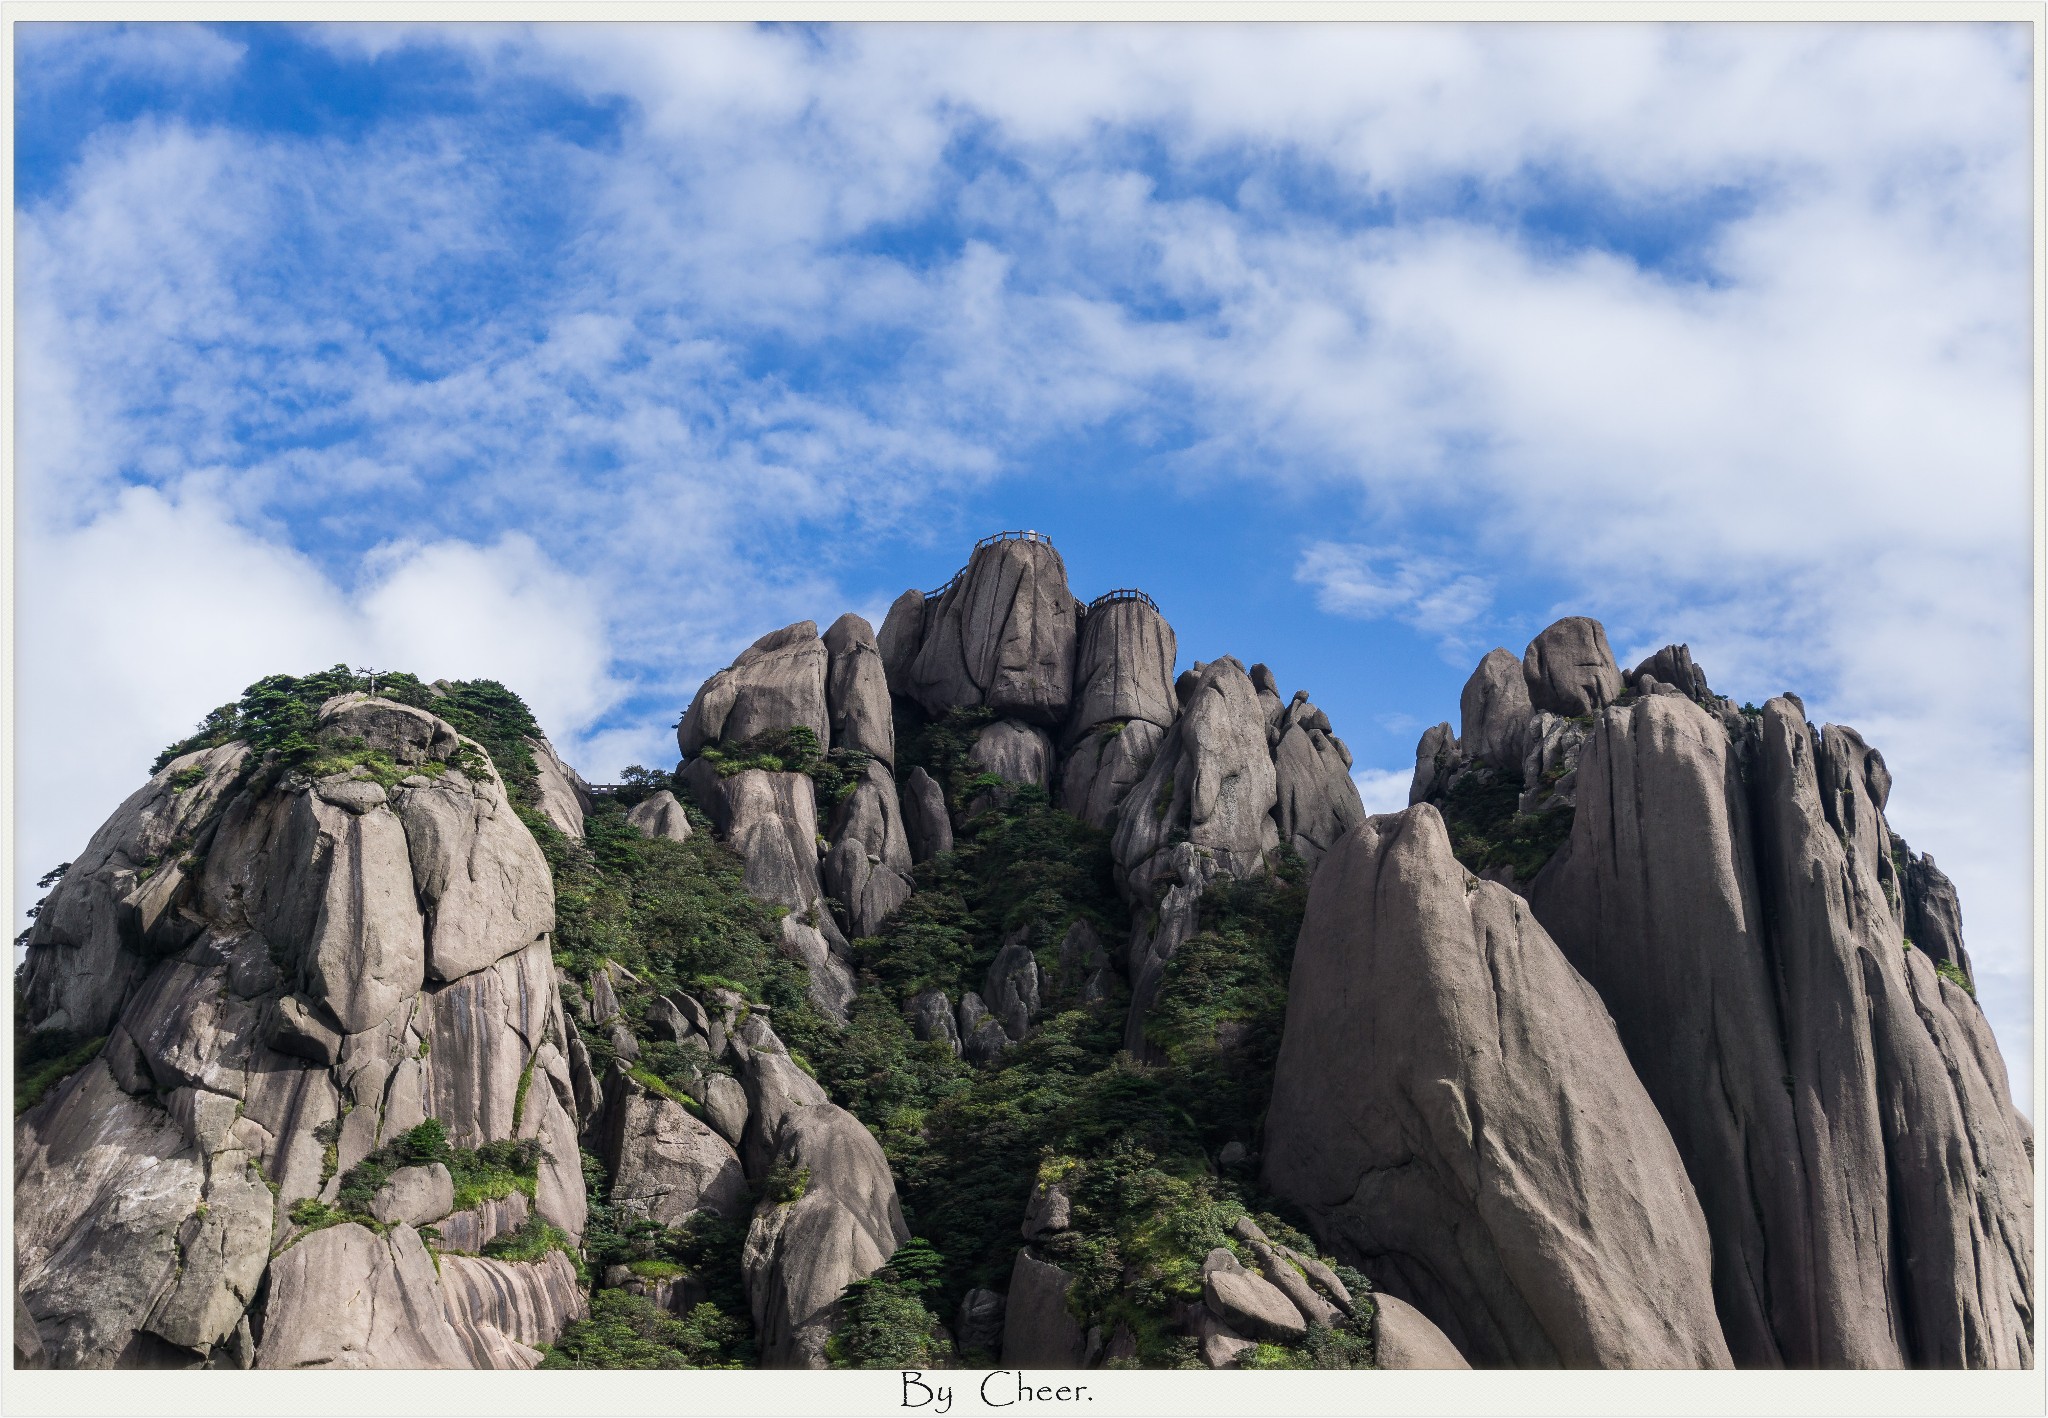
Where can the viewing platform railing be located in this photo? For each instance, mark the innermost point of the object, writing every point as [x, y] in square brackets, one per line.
[1123, 593]
[1041, 538]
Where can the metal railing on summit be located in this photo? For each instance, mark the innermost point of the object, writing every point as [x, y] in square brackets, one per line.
[1026, 536]
[1123, 593]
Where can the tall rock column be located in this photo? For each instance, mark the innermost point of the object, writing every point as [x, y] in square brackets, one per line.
[1452, 1109]
[1002, 636]
[348, 960]
[1729, 889]
[1123, 705]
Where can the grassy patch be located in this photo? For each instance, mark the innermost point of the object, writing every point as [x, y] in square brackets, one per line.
[42, 1062]
[1953, 973]
[627, 1331]
[1486, 830]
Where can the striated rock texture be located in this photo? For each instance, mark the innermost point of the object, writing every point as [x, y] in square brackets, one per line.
[326, 962]
[1452, 1108]
[1123, 667]
[828, 1214]
[1570, 670]
[565, 798]
[1735, 897]
[857, 690]
[1002, 636]
[777, 683]
[1315, 800]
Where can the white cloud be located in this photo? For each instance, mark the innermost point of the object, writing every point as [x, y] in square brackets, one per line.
[1425, 591]
[136, 625]
[1383, 789]
[1803, 449]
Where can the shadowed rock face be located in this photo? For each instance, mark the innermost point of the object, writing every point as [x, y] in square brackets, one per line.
[1452, 1108]
[1315, 800]
[857, 690]
[1734, 899]
[1003, 636]
[347, 963]
[1570, 670]
[1494, 711]
[1098, 772]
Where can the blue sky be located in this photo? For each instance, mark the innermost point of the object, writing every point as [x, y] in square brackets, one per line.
[579, 356]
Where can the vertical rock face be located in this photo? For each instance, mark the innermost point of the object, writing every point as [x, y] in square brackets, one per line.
[830, 1216]
[121, 900]
[1494, 711]
[1315, 801]
[347, 962]
[1570, 670]
[857, 690]
[925, 819]
[771, 821]
[777, 683]
[1013, 751]
[564, 797]
[1123, 667]
[1451, 1106]
[1735, 899]
[1099, 771]
[1002, 636]
[1212, 778]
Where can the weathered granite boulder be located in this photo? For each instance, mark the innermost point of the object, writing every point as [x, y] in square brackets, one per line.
[871, 812]
[931, 1018]
[1098, 772]
[1014, 751]
[1315, 800]
[1934, 917]
[415, 1195]
[1251, 1306]
[837, 1222]
[1673, 665]
[1002, 636]
[857, 690]
[1039, 1332]
[661, 816]
[925, 820]
[120, 902]
[898, 640]
[504, 1312]
[1452, 1110]
[665, 1165]
[771, 821]
[777, 683]
[1570, 670]
[470, 1230]
[1123, 668]
[291, 1028]
[482, 884]
[1437, 760]
[1494, 712]
[1014, 987]
[1212, 779]
[866, 888]
[348, 1298]
[1403, 1338]
[565, 799]
[1856, 1155]
[979, 1325]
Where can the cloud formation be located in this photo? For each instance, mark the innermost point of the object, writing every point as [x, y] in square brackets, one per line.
[1719, 332]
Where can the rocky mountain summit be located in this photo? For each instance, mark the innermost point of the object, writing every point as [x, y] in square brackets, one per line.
[979, 990]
